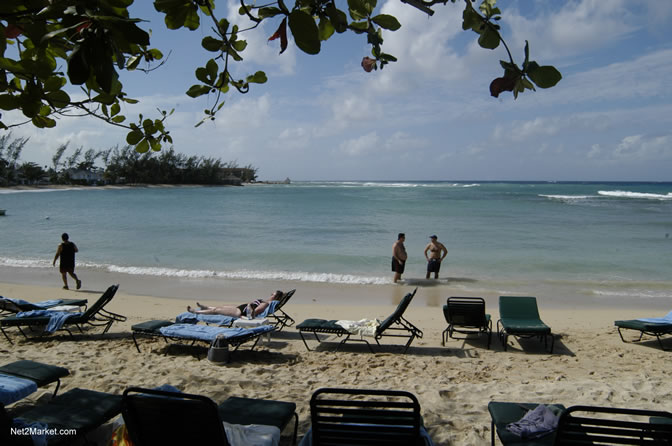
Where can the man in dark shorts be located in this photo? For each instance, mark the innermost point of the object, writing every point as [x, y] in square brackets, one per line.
[66, 251]
[437, 252]
[399, 257]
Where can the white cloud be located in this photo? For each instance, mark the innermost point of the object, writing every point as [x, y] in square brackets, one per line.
[365, 144]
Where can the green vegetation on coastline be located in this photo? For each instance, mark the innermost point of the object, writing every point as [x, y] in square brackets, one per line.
[119, 166]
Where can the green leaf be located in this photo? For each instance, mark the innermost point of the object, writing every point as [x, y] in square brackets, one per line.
[43, 122]
[471, 20]
[212, 44]
[58, 98]
[268, 12]
[545, 76]
[305, 32]
[142, 147]
[134, 136]
[361, 9]
[198, 90]
[337, 18]
[179, 13]
[386, 21]
[326, 28]
[239, 45]
[258, 78]
[359, 27]
[489, 38]
[118, 119]
[9, 102]
[78, 67]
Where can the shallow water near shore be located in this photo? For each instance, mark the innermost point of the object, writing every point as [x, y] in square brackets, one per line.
[593, 243]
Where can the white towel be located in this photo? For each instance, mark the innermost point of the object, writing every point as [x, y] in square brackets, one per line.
[363, 327]
[252, 434]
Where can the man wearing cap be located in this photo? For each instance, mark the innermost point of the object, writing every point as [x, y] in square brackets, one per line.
[437, 252]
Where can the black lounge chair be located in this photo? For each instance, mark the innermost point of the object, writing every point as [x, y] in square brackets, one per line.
[8, 306]
[656, 329]
[466, 315]
[193, 333]
[95, 315]
[41, 374]
[279, 316]
[519, 317]
[394, 326]
[366, 417]
[586, 425]
[76, 412]
[160, 417]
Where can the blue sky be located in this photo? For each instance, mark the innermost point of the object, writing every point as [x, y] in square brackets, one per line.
[428, 116]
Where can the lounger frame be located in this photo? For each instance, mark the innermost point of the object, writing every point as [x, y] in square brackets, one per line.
[280, 317]
[396, 325]
[644, 328]
[95, 316]
[365, 417]
[466, 315]
[163, 417]
[529, 314]
[153, 331]
[38, 372]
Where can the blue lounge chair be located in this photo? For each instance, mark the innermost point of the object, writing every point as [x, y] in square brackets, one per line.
[647, 326]
[35, 374]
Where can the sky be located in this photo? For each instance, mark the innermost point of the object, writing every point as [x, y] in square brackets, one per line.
[428, 116]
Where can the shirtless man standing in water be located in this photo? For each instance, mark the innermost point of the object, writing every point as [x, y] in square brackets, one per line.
[437, 252]
[399, 257]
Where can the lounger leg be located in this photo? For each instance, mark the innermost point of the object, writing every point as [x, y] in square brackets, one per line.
[304, 339]
[58, 384]
[7, 337]
[135, 341]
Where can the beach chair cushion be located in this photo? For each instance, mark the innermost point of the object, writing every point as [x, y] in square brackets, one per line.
[321, 325]
[237, 410]
[651, 327]
[13, 388]
[79, 409]
[42, 374]
[209, 333]
[525, 326]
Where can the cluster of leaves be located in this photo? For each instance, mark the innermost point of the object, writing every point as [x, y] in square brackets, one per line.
[95, 39]
[516, 79]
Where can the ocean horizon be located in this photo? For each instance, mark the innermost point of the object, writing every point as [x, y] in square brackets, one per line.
[593, 240]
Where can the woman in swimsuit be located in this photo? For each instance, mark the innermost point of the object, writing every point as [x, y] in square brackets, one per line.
[251, 309]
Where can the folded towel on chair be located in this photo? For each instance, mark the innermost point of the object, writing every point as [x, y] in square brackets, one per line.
[363, 327]
[56, 318]
[252, 434]
[538, 422]
[667, 319]
[193, 318]
[208, 332]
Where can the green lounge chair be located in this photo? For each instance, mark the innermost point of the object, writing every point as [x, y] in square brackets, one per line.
[280, 317]
[466, 315]
[365, 417]
[95, 315]
[586, 425]
[519, 317]
[71, 416]
[41, 374]
[648, 328]
[394, 326]
[166, 418]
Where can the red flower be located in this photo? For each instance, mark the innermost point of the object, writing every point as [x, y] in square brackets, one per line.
[281, 33]
[368, 64]
[13, 31]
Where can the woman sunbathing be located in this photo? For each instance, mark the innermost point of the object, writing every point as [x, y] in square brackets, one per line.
[251, 309]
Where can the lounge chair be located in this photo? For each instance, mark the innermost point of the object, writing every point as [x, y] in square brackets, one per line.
[394, 326]
[38, 373]
[585, 425]
[221, 320]
[9, 306]
[281, 318]
[651, 327]
[77, 412]
[169, 331]
[519, 317]
[95, 315]
[160, 417]
[466, 315]
[365, 417]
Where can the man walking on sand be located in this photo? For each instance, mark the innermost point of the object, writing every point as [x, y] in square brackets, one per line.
[437, 252]
[399, 257]
[66, 251]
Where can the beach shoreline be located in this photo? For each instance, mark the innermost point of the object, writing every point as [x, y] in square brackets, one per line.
[453, 383]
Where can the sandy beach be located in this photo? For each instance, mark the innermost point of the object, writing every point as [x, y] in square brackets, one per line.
[454, 384]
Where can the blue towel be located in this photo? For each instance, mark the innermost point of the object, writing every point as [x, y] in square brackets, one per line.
[208, 332]
[193, 318]
[12, 389]
[56, 318]
[35, 305]
[220, 319]
[667, 319]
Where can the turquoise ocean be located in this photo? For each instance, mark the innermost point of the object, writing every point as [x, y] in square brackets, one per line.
[597, 242]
